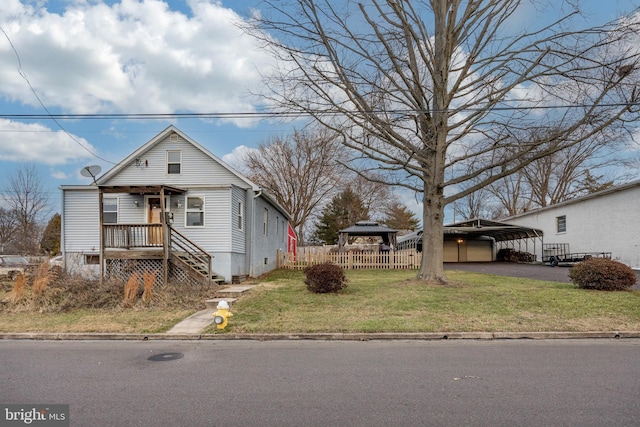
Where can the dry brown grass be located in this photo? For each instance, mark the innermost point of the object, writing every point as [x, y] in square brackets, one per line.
[149, 280]
[131, 289]
[19, 288]
[41, 281]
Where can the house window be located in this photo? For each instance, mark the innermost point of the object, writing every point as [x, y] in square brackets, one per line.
[110, 210]
[195, 212]
[265, 221]
[282, 231]
[561, 224]
[240, 216]
[174, 162]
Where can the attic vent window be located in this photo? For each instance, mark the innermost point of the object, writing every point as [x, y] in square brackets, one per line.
[174, 162]
[173, 137]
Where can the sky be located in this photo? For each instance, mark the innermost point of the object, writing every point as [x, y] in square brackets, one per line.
[136, 57]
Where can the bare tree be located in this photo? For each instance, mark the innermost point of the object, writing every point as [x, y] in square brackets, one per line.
[8, 225]
[561, 176]
[430, 92]
[374, 193]
[27, 199]
[513, 195]
[301, 171]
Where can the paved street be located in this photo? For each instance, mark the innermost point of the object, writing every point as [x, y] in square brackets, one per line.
[320, 383]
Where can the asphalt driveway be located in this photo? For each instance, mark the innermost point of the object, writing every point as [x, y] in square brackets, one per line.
[527, 271]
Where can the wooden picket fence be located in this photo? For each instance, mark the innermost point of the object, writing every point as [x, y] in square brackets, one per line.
[398, 260]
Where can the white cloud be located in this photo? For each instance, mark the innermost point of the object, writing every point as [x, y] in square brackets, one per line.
[132, 56]
[22, 142]
[234, 159]
[59, 175]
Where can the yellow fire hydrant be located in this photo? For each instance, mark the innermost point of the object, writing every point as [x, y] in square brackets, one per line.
[222, 314]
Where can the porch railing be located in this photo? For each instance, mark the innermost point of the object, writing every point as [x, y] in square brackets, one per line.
[128, 236]
[190, 253]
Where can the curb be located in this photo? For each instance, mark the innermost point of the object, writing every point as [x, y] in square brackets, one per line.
[428, 336]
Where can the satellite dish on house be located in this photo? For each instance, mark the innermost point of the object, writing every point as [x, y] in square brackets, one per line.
[91, 171]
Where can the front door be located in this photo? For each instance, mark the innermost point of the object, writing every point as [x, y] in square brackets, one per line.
[154, 216]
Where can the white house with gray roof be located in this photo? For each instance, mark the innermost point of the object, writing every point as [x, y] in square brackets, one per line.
[174, 208]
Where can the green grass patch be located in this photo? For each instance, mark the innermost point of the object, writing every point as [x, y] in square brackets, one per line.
[393, 301]
[374, 301]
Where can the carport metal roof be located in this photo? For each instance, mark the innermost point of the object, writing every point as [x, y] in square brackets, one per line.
[481, 227]
[499, 231]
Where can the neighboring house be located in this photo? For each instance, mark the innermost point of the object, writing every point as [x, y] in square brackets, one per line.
[174, 208]
[605, 221]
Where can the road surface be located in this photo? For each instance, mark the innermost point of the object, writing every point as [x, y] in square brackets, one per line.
[321, 383]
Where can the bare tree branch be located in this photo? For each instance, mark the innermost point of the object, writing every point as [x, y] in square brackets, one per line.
[444, 93]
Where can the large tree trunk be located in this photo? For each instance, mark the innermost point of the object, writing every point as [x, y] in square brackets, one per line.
[434, 138]
[432, 268]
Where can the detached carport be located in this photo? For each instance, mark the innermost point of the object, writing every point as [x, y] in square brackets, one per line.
[478, 240]
[473, 240]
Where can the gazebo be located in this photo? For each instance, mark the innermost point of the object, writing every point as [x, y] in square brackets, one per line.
[368, 228]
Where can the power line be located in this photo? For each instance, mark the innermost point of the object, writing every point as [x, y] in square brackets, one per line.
[48, 115]
[291, 114]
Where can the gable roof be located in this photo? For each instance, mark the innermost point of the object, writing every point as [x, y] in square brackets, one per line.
[156, 140]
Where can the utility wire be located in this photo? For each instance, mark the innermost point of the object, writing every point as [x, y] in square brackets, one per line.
[53, 117]
[289, 114]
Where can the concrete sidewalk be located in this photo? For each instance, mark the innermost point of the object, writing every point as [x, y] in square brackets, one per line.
[203, 318]
[194, 323]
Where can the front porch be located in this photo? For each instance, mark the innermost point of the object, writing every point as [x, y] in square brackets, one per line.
[152, 247]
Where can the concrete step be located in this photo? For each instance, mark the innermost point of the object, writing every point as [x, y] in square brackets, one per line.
[232, 292]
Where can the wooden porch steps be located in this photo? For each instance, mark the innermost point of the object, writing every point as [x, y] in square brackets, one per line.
[198, 267]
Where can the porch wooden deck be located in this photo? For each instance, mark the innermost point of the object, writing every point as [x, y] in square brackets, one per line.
[147, 243]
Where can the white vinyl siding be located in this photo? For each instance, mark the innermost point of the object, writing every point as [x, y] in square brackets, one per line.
[81, 231]
[215, 236]
[197, 168]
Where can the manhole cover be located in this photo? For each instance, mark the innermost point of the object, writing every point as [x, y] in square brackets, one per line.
[163, 357]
